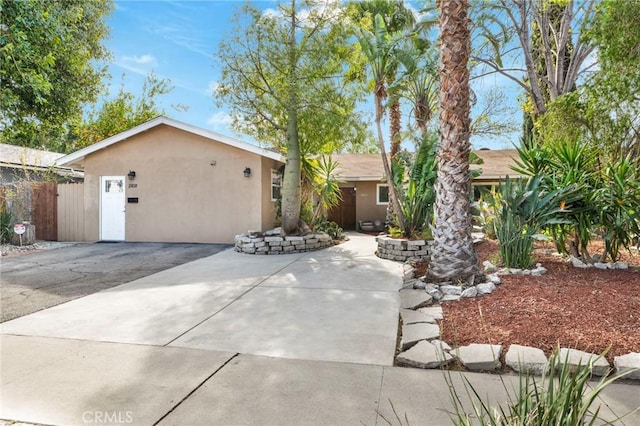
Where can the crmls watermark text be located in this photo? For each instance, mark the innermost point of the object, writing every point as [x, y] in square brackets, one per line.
[107, 417]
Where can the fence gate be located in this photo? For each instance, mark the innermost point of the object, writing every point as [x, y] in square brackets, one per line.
[44, 205]
[71, 212]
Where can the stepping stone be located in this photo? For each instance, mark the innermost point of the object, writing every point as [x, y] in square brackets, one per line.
[480, 357]
[628, 362]
[413, 317]
[414, 299]
[575, 358]
[441, 344]
[424, 355]
[434, 311]
[413, 333]
[526, 359]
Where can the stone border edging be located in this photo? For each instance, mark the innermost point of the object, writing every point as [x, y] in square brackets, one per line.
[421, 346]
[401, 249]
[276, 244]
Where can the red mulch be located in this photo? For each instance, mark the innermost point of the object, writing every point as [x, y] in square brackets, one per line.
[587, 309]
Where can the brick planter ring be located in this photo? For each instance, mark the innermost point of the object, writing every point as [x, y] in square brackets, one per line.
[402, 249]
[259, 244]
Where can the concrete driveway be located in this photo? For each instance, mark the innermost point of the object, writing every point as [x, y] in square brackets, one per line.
[39, 280]
[339, 304]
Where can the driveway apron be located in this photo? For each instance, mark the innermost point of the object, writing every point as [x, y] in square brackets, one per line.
[338, 304]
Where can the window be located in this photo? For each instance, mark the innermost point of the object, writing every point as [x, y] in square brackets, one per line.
[276, 183]
[382, 194]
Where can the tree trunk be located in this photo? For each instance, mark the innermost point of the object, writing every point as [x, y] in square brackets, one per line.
[454, 257]
[395, 126]
[379, 94]
[291, 187]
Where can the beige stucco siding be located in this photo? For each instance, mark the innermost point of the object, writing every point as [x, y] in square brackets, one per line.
[190, 189]
[366, 208]
[268, 206]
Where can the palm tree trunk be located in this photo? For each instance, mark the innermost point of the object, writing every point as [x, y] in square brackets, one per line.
[454, 257]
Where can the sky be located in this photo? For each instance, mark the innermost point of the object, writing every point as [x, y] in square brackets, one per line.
[178, 39]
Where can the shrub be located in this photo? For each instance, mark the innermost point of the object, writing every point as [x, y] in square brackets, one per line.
[524, 208]
[560, 397]
[6, 223]
[331, 228]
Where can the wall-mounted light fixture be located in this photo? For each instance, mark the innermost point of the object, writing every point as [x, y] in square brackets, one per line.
[131, 175]
[247, 172]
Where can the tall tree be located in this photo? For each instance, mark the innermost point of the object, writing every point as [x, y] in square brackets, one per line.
[120, 112]
[378, 46]
[48, 56]
[398, 19]
[281, 78]
[561, 50]
[453, 257]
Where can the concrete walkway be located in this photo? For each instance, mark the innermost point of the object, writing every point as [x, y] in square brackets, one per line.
[231, 339]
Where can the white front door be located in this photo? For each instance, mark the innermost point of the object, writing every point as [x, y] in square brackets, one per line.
[112, 203]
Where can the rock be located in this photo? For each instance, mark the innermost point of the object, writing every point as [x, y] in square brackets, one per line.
[575, 358]
[469, 292]
[274, 232]
[577, 263]
[414, 299]
[419, 285]
[515, 271]
[413, 317]
[539, 270]
[489, 267]
[434, 311]
[526, 272]
[620, 265]
[413, 333]
[451, 289]
[599, 265]
[526, 359]
[450, 298]
[441, 344]
[485, 288]
[424, 355]
[480, 357]
[494, 279]
[409, 283]
[408, 271]
[628, 362]
[503, 271]
[436, 294]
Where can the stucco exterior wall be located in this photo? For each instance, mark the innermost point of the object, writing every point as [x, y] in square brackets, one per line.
[366, 208]
[190, 189]
[268, 206]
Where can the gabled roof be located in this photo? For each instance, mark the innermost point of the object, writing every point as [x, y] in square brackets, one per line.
[78, 156]
[20, 156]
[368, 167]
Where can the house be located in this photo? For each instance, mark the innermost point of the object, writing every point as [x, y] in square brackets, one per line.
[18, 163]
[365, 194]
[168, 181]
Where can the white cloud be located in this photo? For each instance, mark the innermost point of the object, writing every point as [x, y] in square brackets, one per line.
[220, 119]
[145, 59]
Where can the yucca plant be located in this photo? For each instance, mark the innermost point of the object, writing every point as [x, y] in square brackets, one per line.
[525, 208]
[561, 397]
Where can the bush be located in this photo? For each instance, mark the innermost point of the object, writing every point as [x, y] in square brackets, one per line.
[524, 208]
[331, 228]
[560, 397]
[6, 223]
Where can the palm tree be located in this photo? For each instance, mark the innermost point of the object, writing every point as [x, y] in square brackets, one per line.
[377, 47]
[454, 257]
[398, 18]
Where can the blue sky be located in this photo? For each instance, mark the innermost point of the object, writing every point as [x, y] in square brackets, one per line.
[178, 39]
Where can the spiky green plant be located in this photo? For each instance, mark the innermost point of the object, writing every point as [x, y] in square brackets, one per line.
[561, 397]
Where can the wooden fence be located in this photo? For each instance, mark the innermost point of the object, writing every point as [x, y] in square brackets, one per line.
[44, 210]
[70, 206]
